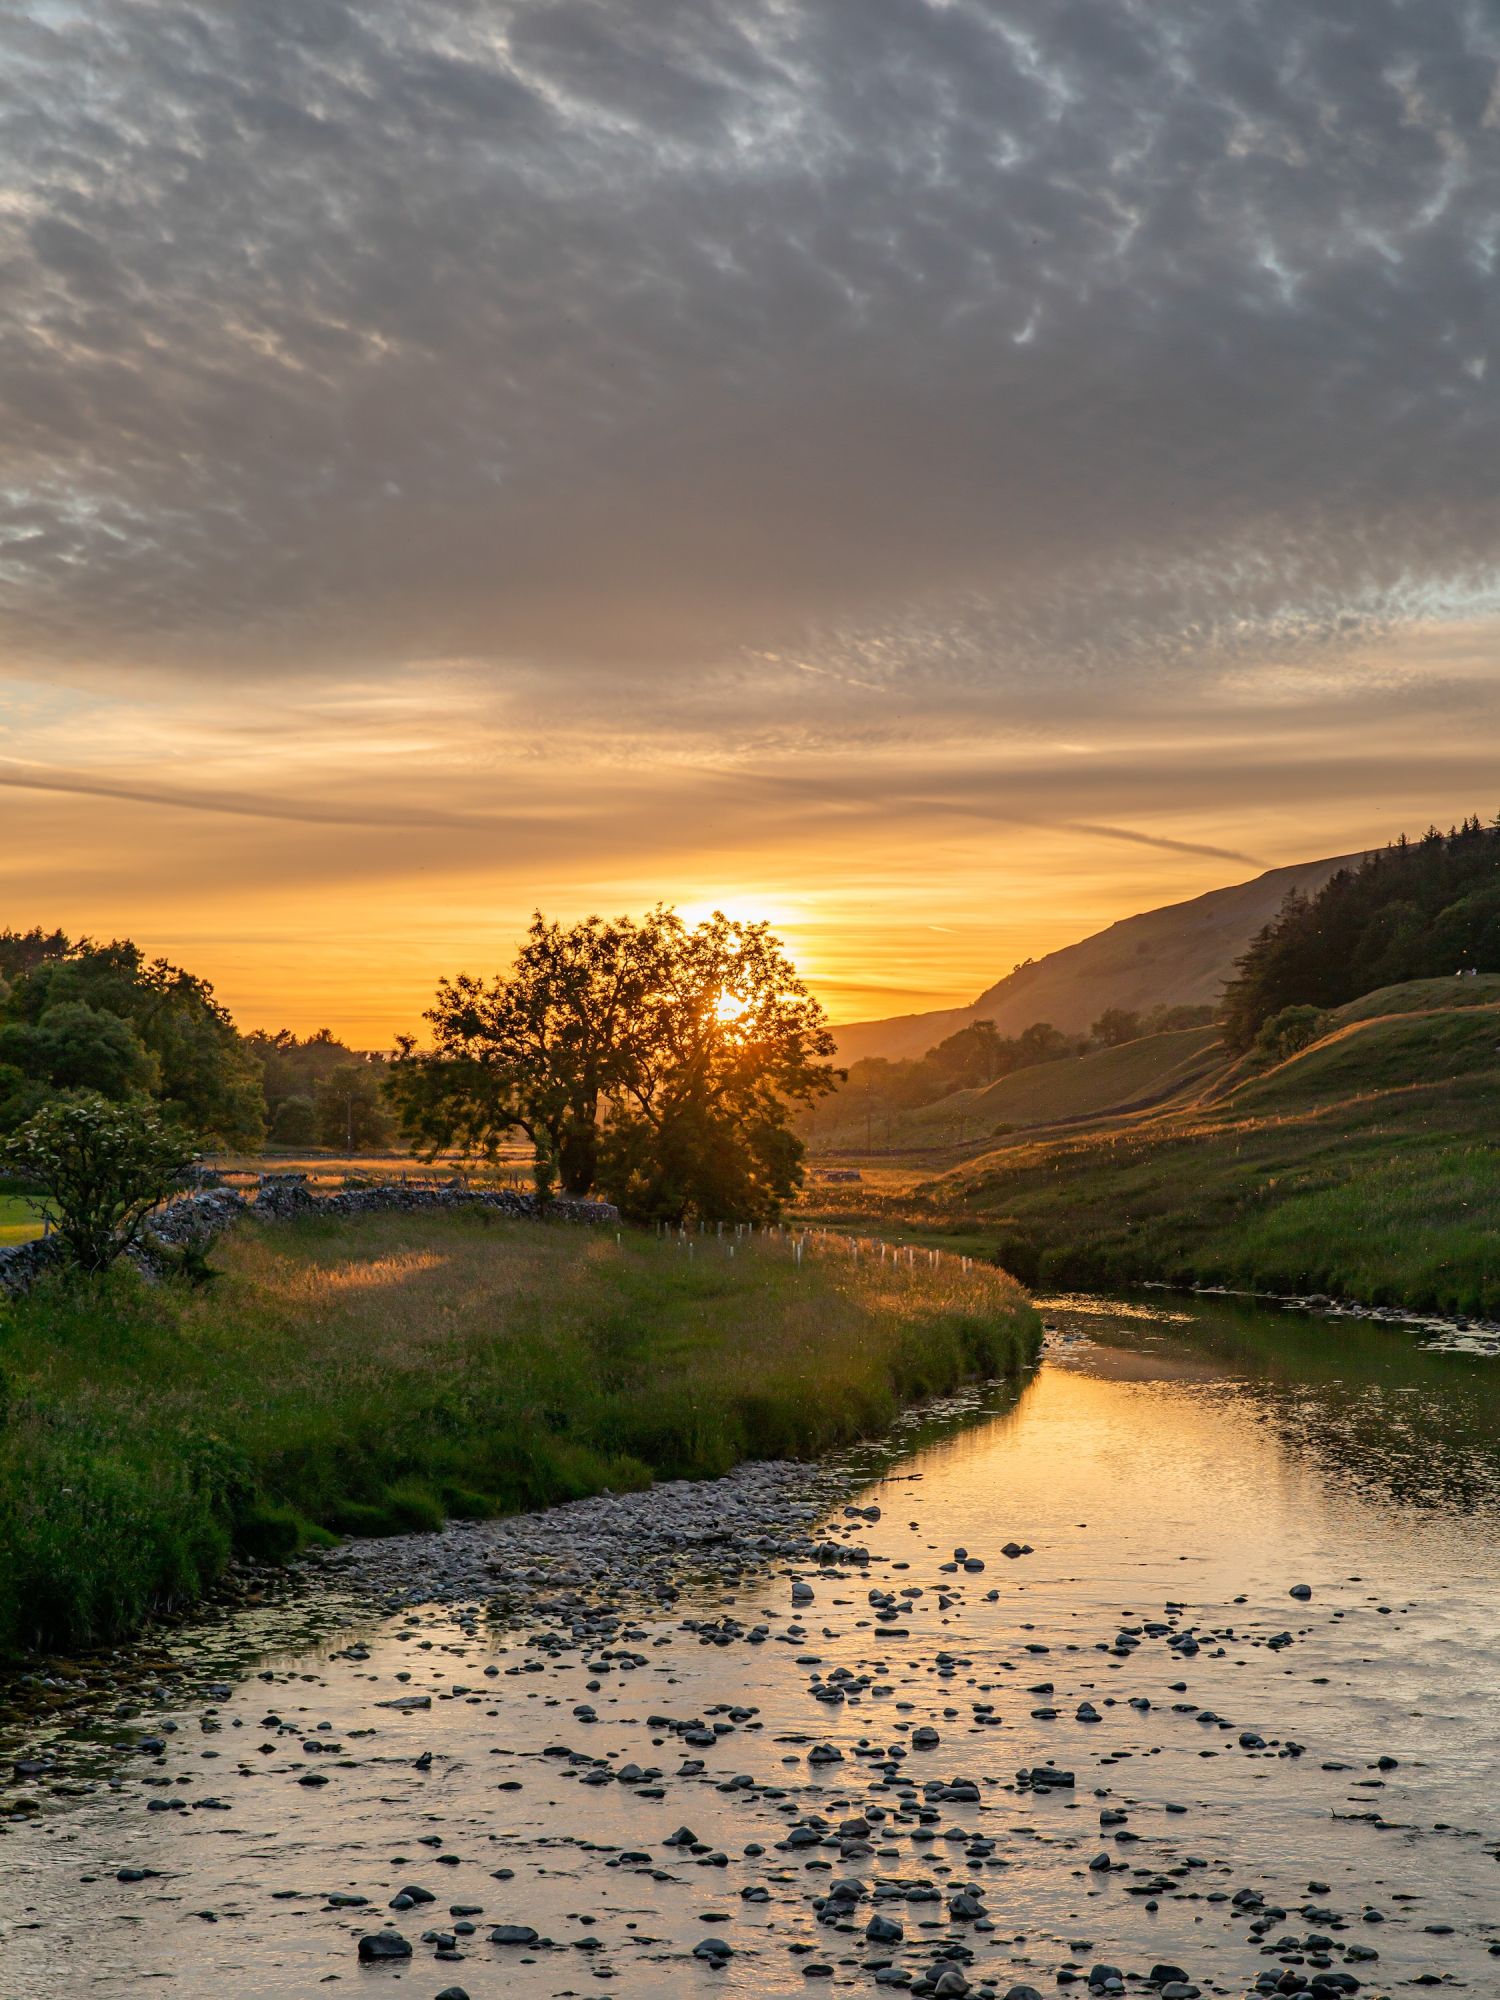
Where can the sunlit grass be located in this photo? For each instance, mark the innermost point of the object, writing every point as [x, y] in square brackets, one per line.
[19, 1220]
[377, 1373]
[1363, 1167]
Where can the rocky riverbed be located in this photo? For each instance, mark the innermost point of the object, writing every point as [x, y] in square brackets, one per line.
[1115, 1684]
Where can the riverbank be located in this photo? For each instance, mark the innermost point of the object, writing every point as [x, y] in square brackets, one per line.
[376, 1374]
[1364, 1206]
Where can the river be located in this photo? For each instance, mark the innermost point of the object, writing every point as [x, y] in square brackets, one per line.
[1279, 1784]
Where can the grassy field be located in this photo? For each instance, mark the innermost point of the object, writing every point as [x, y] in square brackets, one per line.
[19, 1221]
[1364, 1167]
[1151, 1071]
[374, 1375]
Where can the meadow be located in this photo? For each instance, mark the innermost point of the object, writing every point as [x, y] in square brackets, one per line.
[19, 1220]
[378, 1374]
[1362, 1167]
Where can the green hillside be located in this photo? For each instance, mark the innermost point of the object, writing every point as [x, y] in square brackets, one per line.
[1137, 1074]
[1366, 1167]
[1395, 1051]
[1147, 1072]
[1424, 996]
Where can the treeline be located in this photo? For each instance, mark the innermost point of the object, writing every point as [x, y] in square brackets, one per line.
[979, 1055]
[320, 1092]
[80, 1016]
[1423, 909]
[656, 1062]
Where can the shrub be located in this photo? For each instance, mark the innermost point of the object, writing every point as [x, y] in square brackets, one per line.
[100, 1169]
[1287, 1033]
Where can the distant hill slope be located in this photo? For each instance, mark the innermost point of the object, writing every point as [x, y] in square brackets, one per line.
[1151, 1072]
[1362, 1167]
[1179, 955]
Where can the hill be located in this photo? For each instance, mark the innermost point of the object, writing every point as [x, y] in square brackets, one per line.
[1183, 953]
[1416, 910]
[1361, 1167]
[1138, 1074]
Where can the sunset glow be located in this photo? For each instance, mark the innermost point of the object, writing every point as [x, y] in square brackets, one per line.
[936, 546]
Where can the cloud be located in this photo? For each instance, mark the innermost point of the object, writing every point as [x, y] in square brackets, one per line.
[983, 345]
[985, 465]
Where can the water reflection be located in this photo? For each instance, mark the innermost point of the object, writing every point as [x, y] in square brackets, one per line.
[1373, 1403]
[1173, 1468]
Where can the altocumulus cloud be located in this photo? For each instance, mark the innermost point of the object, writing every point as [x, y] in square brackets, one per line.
[1053, 342]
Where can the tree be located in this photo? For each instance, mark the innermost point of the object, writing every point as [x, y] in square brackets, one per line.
[73, 1046]
[659, 1061]
[724, 1042]
[971, 1058]
[203, 1076]
[99, 1170]
[349, 1109]
[1286, 1033]
[294, 1123]
[293, 1067]
[534, 1051]
[1419, 909]
[1116, 1026]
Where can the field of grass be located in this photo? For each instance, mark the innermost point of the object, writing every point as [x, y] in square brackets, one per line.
[19, 1221]
[1364, 1167]
[1152, 1070]
[374, 1375]
[1423, 996]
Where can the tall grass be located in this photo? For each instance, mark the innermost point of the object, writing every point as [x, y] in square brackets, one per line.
[377, 1374]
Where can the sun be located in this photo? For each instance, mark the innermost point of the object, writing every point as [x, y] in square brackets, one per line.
[728, 1007]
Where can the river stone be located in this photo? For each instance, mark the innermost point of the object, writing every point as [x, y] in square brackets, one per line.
[514, 1934]
[382, 1946]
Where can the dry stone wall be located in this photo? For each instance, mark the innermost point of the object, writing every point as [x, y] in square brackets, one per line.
[199, 1217]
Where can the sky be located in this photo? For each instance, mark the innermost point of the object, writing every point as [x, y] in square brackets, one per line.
[939, 474]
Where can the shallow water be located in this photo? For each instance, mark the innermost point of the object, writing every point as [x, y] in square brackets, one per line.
[1170, 1463]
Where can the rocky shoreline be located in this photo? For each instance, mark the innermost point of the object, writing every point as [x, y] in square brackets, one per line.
[1456, 1333]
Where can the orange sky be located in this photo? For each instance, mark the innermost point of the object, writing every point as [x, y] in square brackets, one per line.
[382, 833]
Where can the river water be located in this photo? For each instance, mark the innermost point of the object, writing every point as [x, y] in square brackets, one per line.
[1174, 1468]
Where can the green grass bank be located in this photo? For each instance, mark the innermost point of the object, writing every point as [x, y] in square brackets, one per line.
[377, 1374]
[1364, 1167]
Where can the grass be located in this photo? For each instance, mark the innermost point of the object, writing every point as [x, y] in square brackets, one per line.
[1148, 1071]
[377, 1374]
[19, 1220]
[1364, 1167]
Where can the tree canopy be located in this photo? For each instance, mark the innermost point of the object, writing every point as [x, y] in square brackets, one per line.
[99, 1169]
[656, 1061]
[1417, 910]
[82, 1015]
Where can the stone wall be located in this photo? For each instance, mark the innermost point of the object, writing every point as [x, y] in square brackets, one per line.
[198, 1218]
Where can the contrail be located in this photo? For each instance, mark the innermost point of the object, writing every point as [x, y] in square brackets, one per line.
[245, 805]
